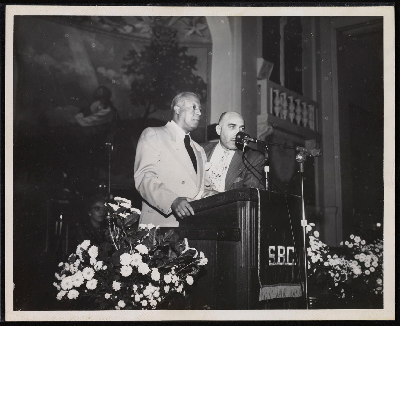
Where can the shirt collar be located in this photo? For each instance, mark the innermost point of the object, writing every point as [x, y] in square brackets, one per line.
[224, 149]
[181, 133]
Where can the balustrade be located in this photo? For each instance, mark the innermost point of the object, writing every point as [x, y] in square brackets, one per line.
[278, 103]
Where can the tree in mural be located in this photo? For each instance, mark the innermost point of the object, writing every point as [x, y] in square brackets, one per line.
[160, 71]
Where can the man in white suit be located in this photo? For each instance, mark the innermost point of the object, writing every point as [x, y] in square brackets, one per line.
[170, 166]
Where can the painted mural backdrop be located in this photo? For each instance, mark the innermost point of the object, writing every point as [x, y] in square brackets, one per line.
[60, 61]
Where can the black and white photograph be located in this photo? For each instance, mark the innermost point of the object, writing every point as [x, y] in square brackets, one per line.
[199, 163]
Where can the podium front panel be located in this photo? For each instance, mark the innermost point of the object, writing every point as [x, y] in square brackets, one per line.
[249, 238]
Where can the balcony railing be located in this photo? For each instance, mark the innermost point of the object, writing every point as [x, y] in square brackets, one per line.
[286, 110]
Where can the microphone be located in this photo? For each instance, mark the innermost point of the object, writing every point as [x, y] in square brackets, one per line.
[242, 138]
[310, 152]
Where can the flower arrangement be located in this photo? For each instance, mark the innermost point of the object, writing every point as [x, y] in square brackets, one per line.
[138, 268]
[356, 267]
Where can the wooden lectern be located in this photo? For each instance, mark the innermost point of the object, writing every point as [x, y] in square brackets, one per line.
[242, 234]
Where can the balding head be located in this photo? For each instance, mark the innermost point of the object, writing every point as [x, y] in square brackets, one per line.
[229, 124]
[227, 114]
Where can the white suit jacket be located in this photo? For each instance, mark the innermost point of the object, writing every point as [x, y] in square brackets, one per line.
[164, 171]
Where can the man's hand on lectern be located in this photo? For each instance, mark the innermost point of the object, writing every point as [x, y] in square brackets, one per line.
[181, 207]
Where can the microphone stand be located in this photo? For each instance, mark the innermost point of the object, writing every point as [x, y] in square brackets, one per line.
[110, 149]
[266, 168]
[301, 158]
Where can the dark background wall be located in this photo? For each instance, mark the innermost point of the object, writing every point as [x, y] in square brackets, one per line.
[360, 74]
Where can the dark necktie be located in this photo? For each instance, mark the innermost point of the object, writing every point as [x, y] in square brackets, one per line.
[190, 151]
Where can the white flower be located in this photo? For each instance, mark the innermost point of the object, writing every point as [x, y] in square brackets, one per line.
[179, 288]
[135, 210]
[88, 273]
[316, 234]
[379, 281]
[113, 206]
[61, 294]
[116, 285]
[93, 261]
[155, 275]
[143, 268]
[153, 303]
[351, 236]
[57, 285]
[202, 260]
[308, 228]
[137, 297]
[93, 251]
[350, 245]
[125, 259]
[156, 294]
[146, 226]
[372, 269]
[367, 272]
[98, 266]
[92, 284]
[136, 259]
[189, 280]
[362, 242]
[123, 202]
[85, 244]
[126, 270]
[73, 269]
[167, 278]
[67, 283]
[375, 264]
[77, 279]
[166, 289]
[357, 270]
[107, 295]
[121, 304]
[142, 249]
[144, 303]
[346, 243]
[73, 294]
[357, 239]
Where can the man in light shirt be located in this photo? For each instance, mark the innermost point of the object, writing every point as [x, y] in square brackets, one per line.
[225, 168]
[170, 166]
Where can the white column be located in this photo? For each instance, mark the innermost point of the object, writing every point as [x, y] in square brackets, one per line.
[226, 65]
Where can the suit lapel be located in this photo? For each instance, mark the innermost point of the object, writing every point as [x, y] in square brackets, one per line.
[235, 169]
[180, 155]
[209, 150]
[200, 164]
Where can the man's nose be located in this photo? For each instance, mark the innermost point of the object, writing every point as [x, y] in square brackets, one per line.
[198, 111]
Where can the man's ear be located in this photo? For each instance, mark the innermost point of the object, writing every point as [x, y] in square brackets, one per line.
[177, 109]
[218, 129]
